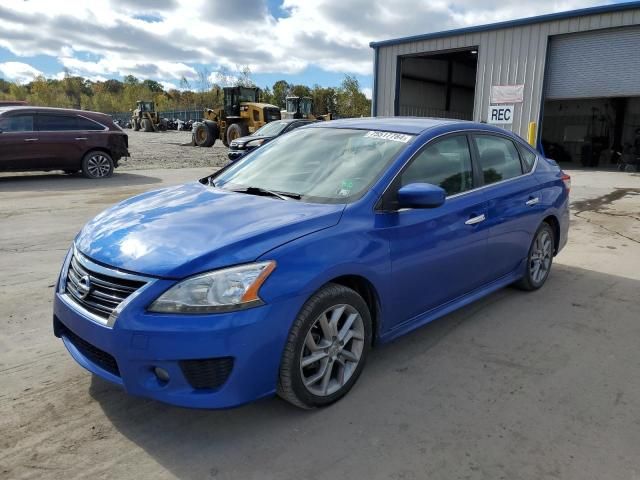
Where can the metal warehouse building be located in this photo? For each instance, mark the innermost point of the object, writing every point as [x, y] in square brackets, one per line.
[569, 81]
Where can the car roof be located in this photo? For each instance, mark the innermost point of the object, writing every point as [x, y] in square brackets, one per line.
[410, 125]
[32, 108]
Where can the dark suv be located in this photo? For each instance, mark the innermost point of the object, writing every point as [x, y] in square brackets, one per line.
[39, 138]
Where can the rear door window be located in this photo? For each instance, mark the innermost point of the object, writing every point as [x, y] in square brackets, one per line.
[499, 159]
[17, 123]
[57, 123]
[446, 163]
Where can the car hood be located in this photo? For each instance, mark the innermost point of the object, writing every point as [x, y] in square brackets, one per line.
[243, 140]
[192, 228]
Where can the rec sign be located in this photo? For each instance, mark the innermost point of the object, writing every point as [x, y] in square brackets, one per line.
[500, 114]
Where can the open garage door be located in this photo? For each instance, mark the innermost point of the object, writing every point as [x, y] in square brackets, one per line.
[596, 64]
[438, 85]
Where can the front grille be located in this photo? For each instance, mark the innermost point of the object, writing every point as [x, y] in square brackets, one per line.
[94, 354]
[208, 373]
[96, 292]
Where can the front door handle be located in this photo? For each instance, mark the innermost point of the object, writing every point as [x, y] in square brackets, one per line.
[30, 139]
[475, 220]
[532, 201]
[81, 138]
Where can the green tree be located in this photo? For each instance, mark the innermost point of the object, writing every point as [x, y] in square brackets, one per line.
[351, 102]
[280, 91]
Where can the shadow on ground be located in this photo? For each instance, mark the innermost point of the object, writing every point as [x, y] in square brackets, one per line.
[517, 385]
[59, 182]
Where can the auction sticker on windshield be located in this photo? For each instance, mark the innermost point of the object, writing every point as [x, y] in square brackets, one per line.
[394, 137]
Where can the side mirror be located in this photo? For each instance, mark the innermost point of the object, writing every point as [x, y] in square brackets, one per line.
[421, 195]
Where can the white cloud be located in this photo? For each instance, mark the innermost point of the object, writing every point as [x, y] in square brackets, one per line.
[18, 71]
[114, 37]
[367, 92]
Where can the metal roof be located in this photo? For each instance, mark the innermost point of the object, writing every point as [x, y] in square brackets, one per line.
[512, 23]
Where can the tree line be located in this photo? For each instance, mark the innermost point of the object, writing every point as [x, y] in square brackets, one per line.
[114, 96]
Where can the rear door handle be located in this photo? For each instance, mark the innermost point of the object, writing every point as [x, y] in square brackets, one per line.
[81, 138]
[30, 139]
[474, 220]
[532, 201]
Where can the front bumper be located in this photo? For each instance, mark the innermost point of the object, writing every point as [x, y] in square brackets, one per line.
[251, 341]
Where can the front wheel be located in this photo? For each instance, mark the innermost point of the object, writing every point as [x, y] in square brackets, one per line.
[97, 165]
[539, 260]
[327, 348]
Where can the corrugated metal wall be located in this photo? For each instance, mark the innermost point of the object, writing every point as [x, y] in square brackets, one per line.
[507, 56]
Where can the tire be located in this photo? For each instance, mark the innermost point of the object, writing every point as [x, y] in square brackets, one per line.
[162, 126]
[205, 134]
[97, 164]
[341, 358]
[146, 124]
[542, 246]
[135, 124]
[236, 130]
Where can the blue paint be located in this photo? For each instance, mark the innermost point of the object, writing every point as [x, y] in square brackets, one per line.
[421, 262]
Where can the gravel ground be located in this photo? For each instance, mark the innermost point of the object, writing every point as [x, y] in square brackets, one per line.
[168, 150]
[525, 386]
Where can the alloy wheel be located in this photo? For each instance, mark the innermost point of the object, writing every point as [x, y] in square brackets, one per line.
[541, 254]
[332, 350]
[99, 166]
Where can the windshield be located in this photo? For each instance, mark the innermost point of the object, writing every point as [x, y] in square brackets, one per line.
[325, 165]
[270, 129]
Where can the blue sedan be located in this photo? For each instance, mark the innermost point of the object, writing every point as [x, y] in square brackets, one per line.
[277, 274]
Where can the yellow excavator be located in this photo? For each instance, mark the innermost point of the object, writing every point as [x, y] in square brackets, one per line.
[145, 118]
[241, 115]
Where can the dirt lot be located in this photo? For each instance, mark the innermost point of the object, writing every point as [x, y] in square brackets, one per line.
[516, 386]
[168, 150]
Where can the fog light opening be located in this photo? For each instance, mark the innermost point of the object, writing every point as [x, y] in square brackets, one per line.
[161, 374]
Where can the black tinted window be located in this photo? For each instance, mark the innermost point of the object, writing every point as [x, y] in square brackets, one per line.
[499, 158]
[528, 159]
[16, 123]
[446, 163]
[56, 123]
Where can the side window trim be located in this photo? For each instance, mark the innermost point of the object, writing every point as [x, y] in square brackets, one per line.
[387, 200]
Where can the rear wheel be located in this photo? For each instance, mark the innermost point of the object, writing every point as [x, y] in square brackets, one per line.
[539, 260]
[135, 124]
[327, 348]
[236, 130]
[97, 164]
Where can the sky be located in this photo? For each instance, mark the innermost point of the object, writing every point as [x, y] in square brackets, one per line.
[301, 41]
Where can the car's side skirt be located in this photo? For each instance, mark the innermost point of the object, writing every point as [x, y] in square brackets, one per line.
[424, 318]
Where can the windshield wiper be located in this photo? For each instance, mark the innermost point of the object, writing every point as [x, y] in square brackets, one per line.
[271, 193]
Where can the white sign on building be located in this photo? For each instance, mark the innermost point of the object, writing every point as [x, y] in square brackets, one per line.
[507, 93]
[500, 114]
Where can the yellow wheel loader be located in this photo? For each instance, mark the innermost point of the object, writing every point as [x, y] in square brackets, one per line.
[302, 107]
[145, 118]
[241, 115]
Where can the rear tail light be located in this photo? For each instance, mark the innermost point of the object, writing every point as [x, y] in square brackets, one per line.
[567, 181]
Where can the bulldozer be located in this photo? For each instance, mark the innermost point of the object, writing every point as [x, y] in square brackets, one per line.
[241, 115]
[145, 118]
[302, 107]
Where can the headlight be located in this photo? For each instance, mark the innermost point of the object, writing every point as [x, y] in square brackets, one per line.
[255, 143]
[232, 288]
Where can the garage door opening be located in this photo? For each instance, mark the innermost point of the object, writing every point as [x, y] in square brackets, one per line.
[591, 113]
[441, 85]
[594, 132]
